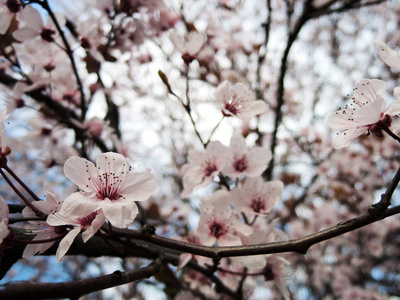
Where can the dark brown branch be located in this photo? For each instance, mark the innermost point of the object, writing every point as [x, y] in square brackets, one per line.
[69, 52]
[281, 89]
[261, 56]
[76, 289]
[300, 245]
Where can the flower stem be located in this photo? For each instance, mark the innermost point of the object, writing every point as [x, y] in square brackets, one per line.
[15, 176]
[388, 131]
[38, 212]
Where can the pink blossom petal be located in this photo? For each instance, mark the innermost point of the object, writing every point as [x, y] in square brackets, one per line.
[370, 113]
[25, 33]
[238, 144]
[32, 17]
[389, 56]
[66, 242]
[139, 186]
[368, 90]
[394, 107]
[4, 211]
[229, 239]
[111, 162]
[79, 171]
[223, 92]
[342, 139]
[77, 205]
[3, 230]
[184, 258]
[340, 120]
[120, 213]
[94, 227]
[5, 20]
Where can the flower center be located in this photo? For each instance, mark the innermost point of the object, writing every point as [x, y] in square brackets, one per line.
[110, 187]
[268, 272]
[85, 43]
[13, 5]
[240, 165]
[257, 204]
[217, 229]
[233, 106]
[87, 221]
[47, 34]
[210, 168]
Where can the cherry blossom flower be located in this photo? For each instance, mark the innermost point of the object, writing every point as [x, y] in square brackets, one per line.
[257, 196]
[94, 127]
[203, 166]
[238, 100]
[51, 205]
[250, 161]
[188, 45]
[217, 222]
[7, 12]
[389, 56]
[275, 271]
[89, 38]
[34, 25]
[3, 220]
[364, 113]
[110, 187]
[89, 225]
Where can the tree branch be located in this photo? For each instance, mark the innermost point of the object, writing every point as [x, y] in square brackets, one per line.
[76, 289]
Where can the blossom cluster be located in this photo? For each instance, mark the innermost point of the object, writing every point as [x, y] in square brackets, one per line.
[55, 70]
[234, 215]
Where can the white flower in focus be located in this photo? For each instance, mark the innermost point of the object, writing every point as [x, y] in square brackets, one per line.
[257, 196]
[363, 114]
[110, 187]
[188, 45]
[238, 100]
[203, 166]
[89, 225]
[217, 222]
[389, 56]
[250, 161]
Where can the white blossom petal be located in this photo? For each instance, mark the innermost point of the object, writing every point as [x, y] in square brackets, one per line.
[389, 56]
[66, 242]
[120, 213]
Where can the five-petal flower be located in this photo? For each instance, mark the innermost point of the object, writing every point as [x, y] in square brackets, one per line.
[202, 167]
[364, 113]
[238, 100]
[217, 222]
[250, 161]
[110, 187]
